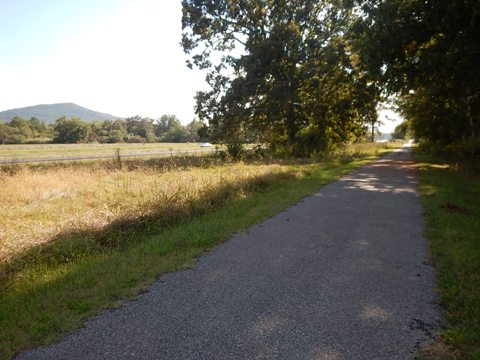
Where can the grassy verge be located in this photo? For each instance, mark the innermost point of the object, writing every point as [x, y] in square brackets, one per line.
[52, 289]
[451, 201]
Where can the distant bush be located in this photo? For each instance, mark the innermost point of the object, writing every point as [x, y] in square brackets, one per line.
[134, 139]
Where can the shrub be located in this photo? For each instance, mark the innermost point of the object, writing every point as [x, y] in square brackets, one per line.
[235, 151]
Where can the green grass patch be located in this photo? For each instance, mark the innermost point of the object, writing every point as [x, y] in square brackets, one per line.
[47, 295]
[451, 202]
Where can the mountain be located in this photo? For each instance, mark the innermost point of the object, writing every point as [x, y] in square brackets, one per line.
[51, 112]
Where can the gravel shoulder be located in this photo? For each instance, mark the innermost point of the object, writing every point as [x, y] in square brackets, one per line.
[344, 274]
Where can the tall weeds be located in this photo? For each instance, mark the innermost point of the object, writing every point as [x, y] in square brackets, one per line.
[102, 206]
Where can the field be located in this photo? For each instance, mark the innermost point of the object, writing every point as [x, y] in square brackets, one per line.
[45, 207]
[21, 153]
[79, 237]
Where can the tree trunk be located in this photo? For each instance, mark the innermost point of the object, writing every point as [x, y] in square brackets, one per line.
[472, 128]
[470, 120]
[468, 113]
[291, 133]
[291, 128]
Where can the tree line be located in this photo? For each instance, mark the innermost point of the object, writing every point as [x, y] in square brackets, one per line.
[305, 76]
[426, 54]
[136, 129]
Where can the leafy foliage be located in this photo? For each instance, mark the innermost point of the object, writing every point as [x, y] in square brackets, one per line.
[287, 75]
[401, 131]
[74, 130]
[427, 51]
[71, 131]
[20, 130]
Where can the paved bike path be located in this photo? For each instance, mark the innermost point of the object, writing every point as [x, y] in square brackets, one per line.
[344, 274]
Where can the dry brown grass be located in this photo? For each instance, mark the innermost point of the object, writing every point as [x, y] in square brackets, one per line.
[40, 205]
[42, 201]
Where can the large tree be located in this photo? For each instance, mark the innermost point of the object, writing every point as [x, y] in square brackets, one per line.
[280, 70]
[141, 127]
[427, 51]
[71, 130]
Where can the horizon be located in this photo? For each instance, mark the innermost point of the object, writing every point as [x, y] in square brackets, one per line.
[81, 106]
[385, 131]
[113, 56]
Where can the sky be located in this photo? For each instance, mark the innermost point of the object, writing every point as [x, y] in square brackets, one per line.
[115, 56]
[120, 57]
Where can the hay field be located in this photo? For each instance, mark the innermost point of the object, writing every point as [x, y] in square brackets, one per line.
[41, 206]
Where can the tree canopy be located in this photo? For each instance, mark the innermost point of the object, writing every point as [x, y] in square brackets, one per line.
[71, 130]
[309, 74]
[167, 128]
[282, 72]
[19, 130]
[427, 52]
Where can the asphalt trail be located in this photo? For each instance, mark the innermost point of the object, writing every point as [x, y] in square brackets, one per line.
[341, 275]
